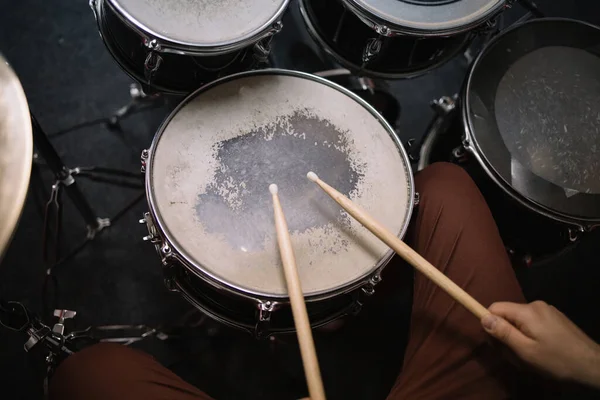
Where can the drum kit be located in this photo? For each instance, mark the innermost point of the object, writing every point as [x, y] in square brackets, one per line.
[527, 120]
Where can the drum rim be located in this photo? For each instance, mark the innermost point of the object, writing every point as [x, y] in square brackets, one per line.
[108, 38]
[472, 145]
[256, 295]
[366, 71]
[183, 47]
[422, 29]
[253, 329]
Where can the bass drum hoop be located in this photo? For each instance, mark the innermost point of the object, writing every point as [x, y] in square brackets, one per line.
[312, 30]
[470, 143]
[256, 296]
[168, 45]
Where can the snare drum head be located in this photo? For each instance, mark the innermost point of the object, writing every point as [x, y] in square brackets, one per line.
[429, 16]
[211, 165]
[201, 22]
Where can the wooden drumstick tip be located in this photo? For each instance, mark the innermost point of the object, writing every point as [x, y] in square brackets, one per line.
[312, 176]
[273, 189]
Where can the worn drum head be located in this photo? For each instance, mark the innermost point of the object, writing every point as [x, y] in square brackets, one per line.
[201, 22]
[211, 165]
[429, 16]
[533, 117]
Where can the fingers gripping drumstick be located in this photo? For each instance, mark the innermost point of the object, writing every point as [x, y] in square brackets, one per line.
[305, 339]
[403, 250]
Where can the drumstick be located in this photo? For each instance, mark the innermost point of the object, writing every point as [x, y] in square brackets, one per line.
[303, 330]
[402, 249]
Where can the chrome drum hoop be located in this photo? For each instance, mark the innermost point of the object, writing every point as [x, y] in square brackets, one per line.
[385, 28]
[163, 44]
[365, 283]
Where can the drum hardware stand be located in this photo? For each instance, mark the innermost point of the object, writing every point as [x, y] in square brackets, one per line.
[371, 51]
[64, 178]
[58, 345]
[532, 8]
[140, 101]
[444, 108]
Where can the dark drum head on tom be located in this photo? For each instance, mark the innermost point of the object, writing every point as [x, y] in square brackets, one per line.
[208, 174]
[395, 38]
[533, 117]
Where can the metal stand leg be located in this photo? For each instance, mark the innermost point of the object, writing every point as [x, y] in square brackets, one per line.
[64, 176]
[139, 101]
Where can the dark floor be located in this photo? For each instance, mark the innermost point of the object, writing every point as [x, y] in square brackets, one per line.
[69, 78]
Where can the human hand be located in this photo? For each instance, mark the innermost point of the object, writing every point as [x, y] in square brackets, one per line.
[545, 338]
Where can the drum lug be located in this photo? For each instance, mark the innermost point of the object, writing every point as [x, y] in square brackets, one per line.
[371, 50]
[170, 283]
[144, 159]
[152, 65]
[152, 236]
[167, 256]
[265, 308]
[262, 48]
[417, 199]
[153, 59]
[491, 23]
[355, 308]
[369, 288]
[575, 233]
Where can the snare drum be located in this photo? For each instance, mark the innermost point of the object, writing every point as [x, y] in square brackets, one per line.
[211, 217]
[175, 46]
[395, 38]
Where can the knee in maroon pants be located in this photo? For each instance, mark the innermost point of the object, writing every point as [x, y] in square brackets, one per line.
[109, 371]
[447, 183]
[447, 355]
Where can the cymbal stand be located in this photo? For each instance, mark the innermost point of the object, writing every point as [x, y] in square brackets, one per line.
[65, 179]
[56, 345]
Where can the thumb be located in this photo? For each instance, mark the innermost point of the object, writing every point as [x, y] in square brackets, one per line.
[505, 332]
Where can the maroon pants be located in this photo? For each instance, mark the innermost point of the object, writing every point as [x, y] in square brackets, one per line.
[448, 354]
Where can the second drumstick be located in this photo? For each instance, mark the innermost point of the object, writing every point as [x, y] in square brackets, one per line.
[303, 329]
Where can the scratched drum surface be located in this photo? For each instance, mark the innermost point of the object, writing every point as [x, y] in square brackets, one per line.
[554, 130]
[213, 162]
